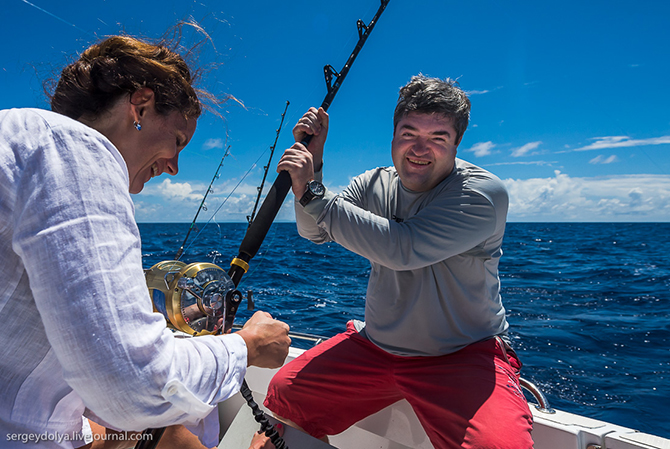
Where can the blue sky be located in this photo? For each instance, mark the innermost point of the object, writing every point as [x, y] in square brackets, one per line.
[569, 99]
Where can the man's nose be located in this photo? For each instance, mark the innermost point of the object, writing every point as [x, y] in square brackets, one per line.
[420, 146]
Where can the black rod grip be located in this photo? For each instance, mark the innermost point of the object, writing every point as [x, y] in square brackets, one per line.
[259, 228]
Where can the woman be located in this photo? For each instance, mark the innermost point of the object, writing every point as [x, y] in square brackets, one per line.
[79, 336]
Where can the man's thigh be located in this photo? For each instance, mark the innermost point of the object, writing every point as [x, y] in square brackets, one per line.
[469, 399]
[333, 385]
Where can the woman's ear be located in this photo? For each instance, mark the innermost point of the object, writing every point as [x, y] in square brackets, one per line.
[140, 100]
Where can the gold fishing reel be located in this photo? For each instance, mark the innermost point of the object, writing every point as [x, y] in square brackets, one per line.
[198, 299]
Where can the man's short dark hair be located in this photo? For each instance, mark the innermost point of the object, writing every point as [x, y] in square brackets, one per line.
[433, 95]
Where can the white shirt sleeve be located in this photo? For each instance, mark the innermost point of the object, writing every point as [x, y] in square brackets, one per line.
[76, 235]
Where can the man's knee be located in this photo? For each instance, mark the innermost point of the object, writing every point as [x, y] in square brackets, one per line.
[521, 441]
[279, 393]
[514, 434]
[278, 386]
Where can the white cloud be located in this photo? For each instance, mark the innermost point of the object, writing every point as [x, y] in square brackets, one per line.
[557, 198]
[483, 91]
[482, 148]
[146, 209]
[542, 163]
[181, 191]
[212, 143]
[614, 198]
[170, 201]
[600, 159]
[477, 92]
[521, 151]
[622, 141]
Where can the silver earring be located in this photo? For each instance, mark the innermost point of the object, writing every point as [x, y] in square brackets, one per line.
[137, 125]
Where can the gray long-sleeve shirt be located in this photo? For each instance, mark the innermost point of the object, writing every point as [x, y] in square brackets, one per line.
[434, 285]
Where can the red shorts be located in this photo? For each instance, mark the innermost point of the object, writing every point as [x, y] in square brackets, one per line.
[468, 399]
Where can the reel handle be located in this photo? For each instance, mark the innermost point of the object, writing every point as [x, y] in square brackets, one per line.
[232, 302]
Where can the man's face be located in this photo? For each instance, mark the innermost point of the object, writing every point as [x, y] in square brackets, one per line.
[424, 150]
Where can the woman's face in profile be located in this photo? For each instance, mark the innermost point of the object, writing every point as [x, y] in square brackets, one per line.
[155, 148]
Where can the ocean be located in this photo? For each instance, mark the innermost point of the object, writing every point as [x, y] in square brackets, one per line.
[588, 303]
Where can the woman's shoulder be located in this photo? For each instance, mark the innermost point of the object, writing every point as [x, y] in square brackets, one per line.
[26, 122]
[32, 132]
[33, 115]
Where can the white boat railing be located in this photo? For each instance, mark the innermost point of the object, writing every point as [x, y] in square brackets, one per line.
[542, 402]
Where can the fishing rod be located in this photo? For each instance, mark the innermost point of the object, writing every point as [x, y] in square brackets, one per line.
[204, 292]
[250, 218]
[202, 204]
[259, 227]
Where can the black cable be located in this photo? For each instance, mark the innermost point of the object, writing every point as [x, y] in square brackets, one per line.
[261, 418]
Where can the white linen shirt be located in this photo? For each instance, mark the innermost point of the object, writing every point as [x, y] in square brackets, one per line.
[78, 336]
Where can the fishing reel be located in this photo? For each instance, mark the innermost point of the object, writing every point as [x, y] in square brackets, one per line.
[197, 299]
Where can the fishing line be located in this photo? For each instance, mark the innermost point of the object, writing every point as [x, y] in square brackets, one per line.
[202, 203]
[58, 18]
[254, 165]
[250, 218]
[307, 104]
[304, 105]
[353, 36]
[604, 111]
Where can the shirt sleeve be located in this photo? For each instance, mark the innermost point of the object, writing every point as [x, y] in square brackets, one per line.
[76, 235]
[453, 223]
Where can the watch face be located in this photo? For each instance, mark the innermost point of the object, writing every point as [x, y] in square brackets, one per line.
[317, 188]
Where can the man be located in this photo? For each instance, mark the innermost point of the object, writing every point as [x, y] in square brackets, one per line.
[435, 330]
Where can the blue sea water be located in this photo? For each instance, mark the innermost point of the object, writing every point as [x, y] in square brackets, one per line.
[588, 303]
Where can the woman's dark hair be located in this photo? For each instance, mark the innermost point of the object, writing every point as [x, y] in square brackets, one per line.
[119, 66]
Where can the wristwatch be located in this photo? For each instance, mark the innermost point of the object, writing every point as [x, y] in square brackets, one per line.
[314, 190]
